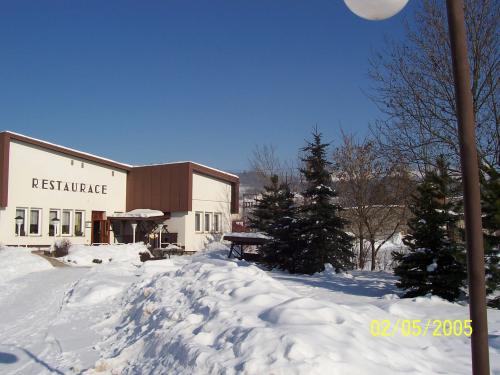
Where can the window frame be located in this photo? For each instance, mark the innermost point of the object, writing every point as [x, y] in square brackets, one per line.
[200, 229]
[39, 224]
[70, 222]
[22, 228]
[82, 224]
[217, 215]
[210, 222]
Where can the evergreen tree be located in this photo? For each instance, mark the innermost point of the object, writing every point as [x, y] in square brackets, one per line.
[490, 192]
[434, 263]
[321, 227]
[265, 213]
[276, 216]
[284, 249]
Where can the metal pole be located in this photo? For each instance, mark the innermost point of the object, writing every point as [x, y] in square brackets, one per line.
[134, 227]
[470, 178]
[18, 235]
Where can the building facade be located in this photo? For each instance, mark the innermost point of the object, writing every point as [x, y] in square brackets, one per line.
[49, 192]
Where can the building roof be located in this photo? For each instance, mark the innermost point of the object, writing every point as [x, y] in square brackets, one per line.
[176, 171]
[65, 150]
[197, 167]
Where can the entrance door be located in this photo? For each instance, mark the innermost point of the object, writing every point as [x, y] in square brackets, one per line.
[100, 227]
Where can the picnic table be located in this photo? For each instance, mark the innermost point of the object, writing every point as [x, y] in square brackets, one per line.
[240, 240]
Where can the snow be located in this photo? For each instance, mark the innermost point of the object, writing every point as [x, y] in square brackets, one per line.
[247, 235]
[206, 314]
[17, 262]
[432, 267]
[126, 166]
[83, 255]
[83, 154]
[140, 213]
[192, 162]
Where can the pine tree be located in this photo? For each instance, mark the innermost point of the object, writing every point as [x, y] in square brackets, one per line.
[434, 263]
[321, 227]
[276, 216]
[284, 249]
[264, 213]
[490, 192]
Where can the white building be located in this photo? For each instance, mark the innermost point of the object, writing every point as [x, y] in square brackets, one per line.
[56, 192]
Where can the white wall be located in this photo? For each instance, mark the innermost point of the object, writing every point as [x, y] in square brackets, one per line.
[209, 195]
[28, 162]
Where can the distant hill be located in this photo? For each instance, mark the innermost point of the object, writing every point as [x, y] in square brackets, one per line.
[250, 182]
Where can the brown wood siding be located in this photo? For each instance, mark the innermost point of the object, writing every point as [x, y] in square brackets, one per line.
[4, 169]
[235, 197]
[158, 187]
[169, 187]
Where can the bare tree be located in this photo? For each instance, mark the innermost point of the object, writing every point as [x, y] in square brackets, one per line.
[265, 162]
[414, 86]
[374, 192]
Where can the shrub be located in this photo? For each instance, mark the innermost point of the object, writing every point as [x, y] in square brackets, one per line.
[61, 247]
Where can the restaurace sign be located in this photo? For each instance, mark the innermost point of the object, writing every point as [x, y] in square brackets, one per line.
[75, 187]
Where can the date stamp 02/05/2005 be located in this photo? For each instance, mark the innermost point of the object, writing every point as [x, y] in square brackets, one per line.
[417, 327]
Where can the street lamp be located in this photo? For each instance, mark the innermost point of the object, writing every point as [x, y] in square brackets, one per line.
[19, 222]
[375, 10]
[134, 227]
[468, 160]
[55, 223]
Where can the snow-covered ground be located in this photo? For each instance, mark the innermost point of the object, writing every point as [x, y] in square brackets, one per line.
[18, 261]
[206, 314]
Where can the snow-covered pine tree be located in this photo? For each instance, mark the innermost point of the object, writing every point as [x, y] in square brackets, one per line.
[434, 263]
[284, 250]
[264, 213]
[276, 216]
[321, 226]
[490, 192]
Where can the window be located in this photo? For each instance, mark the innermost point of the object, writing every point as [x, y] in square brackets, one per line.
[217, 222]
[197, 222]
[66, 223]
[35, 221]
[79, 217]
[208, 222]
[20, 212]
[54, 223]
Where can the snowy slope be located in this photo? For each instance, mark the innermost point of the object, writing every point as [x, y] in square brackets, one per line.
[18, 262]
[206, 314]
[82, 255]
[209, 315]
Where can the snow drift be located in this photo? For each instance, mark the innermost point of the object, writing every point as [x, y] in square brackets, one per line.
[19, 261]
[210, 315]
[83, 255]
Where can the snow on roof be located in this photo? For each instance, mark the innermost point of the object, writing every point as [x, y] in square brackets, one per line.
[188, 161]
[247, 235]
[140, 212]
[67, 148]
[110, 160]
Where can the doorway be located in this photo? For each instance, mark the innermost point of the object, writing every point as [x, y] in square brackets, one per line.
[100, 227]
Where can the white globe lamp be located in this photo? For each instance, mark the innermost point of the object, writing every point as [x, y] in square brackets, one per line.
[375, 10]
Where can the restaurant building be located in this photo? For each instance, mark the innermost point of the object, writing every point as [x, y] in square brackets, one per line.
[49, 192]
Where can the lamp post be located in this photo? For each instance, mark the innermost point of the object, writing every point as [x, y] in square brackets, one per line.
[134, 227]
[19, 222]
[160, 229]
[381, 9]
[55, 223]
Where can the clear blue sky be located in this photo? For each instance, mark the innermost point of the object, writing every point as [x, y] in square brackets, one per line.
[156, 81]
